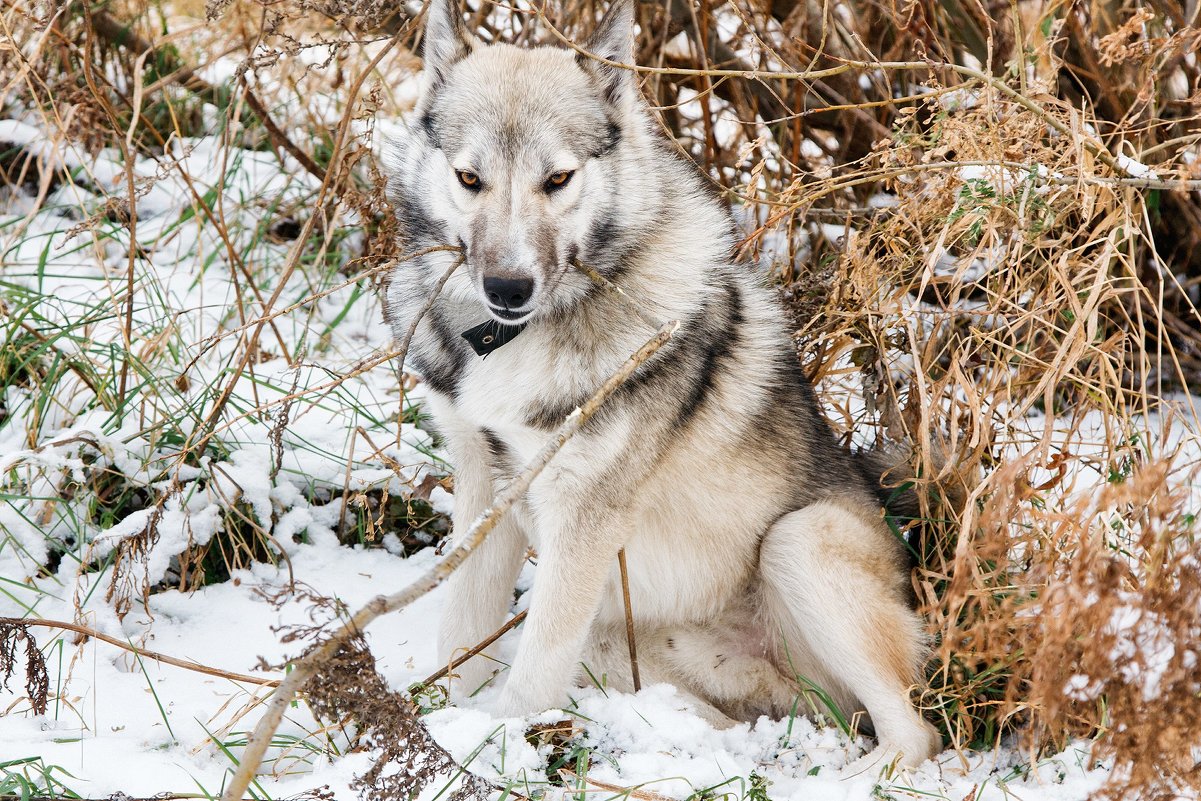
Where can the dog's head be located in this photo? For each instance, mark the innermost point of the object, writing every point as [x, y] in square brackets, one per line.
[510, 154]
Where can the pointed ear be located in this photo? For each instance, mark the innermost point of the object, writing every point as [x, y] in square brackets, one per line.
[612, 40]
[445, 39]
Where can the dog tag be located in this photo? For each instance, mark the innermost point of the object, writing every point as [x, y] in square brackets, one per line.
[487, 337]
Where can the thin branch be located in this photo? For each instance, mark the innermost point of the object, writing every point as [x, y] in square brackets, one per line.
[200, 437]
[630, 639]
[212, 340]
[484, 643]
[119, 796]
[402, 350]
[617, 791]
[278, 137]
[141, 652]
[370, 363]
[617, 292]
[123, 34]
[1097, 148]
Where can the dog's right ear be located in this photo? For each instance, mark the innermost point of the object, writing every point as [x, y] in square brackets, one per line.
[445, 39]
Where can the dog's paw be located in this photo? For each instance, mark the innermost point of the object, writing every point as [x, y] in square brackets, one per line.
[887, 758]
[710, 714]
[512, 705]
[909, 747]
[519, 702]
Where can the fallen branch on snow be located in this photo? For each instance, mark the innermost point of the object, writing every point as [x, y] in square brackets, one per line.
[140, 652]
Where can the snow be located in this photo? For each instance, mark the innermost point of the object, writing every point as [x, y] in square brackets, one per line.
[1135, 168]
[1141, 633]
[119, 724]
[109, 721]
[109, 733]
[1082, 688]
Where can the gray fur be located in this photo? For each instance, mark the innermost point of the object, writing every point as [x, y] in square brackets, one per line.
[756, 545]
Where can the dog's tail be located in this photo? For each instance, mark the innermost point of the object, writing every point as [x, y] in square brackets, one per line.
[913, 502]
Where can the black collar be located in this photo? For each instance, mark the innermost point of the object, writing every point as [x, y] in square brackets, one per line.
[488, 336]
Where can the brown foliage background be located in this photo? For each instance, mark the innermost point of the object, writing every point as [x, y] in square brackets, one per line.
[942, 190]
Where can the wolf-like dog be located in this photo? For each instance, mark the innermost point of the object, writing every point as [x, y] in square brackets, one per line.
[759, 560]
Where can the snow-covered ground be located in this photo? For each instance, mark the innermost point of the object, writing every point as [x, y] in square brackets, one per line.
[144, 728]
[117, 723]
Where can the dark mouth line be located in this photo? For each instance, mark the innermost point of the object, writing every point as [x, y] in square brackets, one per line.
[505, 313]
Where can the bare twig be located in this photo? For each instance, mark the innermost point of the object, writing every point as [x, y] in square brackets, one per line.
[354, 279]
[141, 652]
[118, 796]
[279, 138]
[402, 350]
[618, 292]
[398, 353]
[205, 432]
[848, 65]
[630, 639]
[122, 33]
[619, 792]
[484, 643]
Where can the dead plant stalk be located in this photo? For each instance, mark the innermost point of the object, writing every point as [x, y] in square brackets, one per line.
[207, 430]
[443, 672]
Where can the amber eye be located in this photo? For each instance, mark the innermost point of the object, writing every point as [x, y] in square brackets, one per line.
[468, 179]
[558, 179]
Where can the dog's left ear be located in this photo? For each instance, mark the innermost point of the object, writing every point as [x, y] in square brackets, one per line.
[613, 40]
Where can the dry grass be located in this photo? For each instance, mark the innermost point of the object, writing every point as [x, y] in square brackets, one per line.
[1023, 308]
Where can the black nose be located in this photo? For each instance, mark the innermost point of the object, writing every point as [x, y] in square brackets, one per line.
[508, 293]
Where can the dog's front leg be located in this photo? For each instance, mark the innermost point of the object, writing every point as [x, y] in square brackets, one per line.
[576, 555]
[480, 592]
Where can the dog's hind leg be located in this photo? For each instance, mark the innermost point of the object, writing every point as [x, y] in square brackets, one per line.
[727, 664]
[607, 659]
[833, 585]
[714, 668]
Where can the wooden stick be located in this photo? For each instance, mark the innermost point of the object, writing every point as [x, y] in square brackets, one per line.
[625, 595]
[306, 667]
[213, 339]
[617, 291]
[847, 65]
[484, 643]
[199, 438]
[624, 792]
[630, 303]
[157, 657]
[398, 354]
[121, 32]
